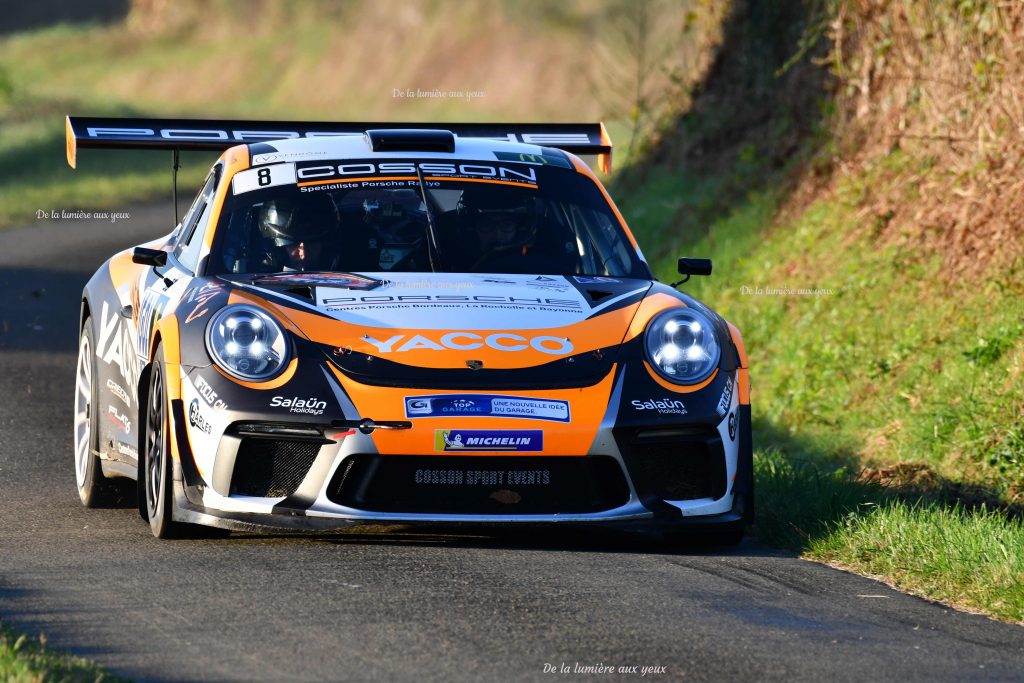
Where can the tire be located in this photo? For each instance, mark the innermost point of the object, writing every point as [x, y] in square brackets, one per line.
[94, 489]
[156, 477]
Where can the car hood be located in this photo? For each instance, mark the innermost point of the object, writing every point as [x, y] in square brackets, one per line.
[416, 322]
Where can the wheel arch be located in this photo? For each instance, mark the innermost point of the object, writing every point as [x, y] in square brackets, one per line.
[142, 392]
[84, 313]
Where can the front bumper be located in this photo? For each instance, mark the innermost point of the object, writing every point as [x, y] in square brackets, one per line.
[632, 517]
[635, 478]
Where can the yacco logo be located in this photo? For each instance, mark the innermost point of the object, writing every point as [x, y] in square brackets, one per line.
[115, 346]
[295, 404]
[665, 406]
[468, 341]
[487, 405]
[488, 440]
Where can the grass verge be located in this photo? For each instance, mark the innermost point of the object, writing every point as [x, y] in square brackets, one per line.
[27, 660]
[967, 556]
[892, 364]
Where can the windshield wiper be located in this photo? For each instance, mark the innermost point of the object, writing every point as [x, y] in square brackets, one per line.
[433, 252]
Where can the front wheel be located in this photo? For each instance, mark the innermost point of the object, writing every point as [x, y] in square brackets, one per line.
[155, 476]
[94, 489]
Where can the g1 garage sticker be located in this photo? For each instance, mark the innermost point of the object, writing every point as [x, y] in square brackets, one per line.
[486, 405]
[448, 440]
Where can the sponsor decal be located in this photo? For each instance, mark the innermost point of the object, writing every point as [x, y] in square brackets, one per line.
[296, 404]
[726, 400]
[488, 440]
[126, 449]
[196, 419]
[117, 390]
[732, 426]
[340, 303]
[346, 280]
[418, 405]
[595, 280]
[272, 157]
[115, 346]
[200, 296]
[359, 170]
[260, 178]
[456, 477]
[541, 159]
[206, 134]
[468, 341]
[208, 394]
[487, 405]
[548, 286]
[147, 312]
[120, 419]
[664, 406]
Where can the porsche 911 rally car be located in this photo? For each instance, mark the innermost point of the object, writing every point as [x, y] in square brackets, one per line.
[402, 323]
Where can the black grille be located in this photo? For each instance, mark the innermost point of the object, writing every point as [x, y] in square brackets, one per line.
[479, 484]
[270, 468]
[684, 464]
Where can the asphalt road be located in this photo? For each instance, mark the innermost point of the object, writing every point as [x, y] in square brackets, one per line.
[398, 605]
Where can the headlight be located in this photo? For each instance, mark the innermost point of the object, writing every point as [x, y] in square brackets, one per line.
[681, 345]
[247, 343]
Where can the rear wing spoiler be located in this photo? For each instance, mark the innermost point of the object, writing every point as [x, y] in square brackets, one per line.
[219, 134]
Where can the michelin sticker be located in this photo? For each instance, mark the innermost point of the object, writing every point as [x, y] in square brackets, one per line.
[487, 405]
[446, 440]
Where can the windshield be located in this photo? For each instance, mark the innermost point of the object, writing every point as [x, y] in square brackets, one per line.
[369, 216]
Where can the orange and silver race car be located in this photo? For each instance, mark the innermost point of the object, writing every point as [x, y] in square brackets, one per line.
[404, 323]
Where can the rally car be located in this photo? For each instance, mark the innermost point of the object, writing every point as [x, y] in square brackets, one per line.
[403, 323]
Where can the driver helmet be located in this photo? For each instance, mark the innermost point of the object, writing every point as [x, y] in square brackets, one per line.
[287, 221]
[501, 218]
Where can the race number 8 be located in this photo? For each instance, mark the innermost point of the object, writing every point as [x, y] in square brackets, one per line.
[263, 177]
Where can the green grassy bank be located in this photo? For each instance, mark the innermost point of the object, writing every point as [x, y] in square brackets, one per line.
[886, 356]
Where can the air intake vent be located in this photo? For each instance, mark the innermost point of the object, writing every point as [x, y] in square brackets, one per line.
[479, 485]
[270, 468]
[412, 140]
[674, 464]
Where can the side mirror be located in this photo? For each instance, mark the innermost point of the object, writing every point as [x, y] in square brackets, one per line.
[149, 257]
[694, 266]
